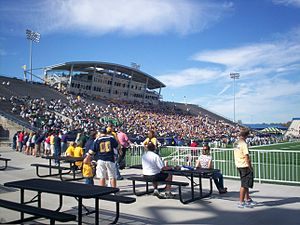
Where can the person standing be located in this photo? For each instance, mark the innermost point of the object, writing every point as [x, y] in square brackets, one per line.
[103, 148]
[244, 166]
[15, 137]
[64, 142]
[57, 147]
[110, 131]
[20, 141]
[125, 143]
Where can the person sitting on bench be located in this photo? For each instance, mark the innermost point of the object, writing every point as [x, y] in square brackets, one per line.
[152, 171]
[205, 161]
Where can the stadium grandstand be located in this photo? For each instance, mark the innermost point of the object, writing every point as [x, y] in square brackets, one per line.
[105, 80]
[294, 128]
[87, 95]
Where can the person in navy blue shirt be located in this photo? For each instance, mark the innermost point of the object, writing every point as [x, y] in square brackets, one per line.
[103, 150]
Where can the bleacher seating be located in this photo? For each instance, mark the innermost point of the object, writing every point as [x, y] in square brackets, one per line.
[294, 128]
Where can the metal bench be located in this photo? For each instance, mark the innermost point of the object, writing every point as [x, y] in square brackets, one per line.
[6, 163]
[36, 212]
[50, 167]
[149, 191]
[118, 199]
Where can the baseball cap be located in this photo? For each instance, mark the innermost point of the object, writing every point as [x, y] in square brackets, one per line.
[103, 130]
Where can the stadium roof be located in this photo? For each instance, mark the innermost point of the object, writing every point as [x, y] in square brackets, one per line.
[85, 66]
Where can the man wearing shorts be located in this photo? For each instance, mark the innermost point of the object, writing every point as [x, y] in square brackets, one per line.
[104, 149]
[243, 164]
[152, 170]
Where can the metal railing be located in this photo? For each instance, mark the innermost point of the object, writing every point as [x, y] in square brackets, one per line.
[281, 166]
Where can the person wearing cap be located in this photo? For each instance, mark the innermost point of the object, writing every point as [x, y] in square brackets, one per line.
[244, 167]
[205, 161]
[103, 149]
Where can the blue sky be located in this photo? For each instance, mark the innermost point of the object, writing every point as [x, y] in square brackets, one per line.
[190, 45]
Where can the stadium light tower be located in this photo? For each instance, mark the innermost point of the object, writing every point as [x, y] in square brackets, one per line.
[32, 37]
[234, 76]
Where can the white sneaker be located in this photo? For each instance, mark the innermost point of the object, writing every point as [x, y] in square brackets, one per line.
[156, 193]
[251, 202]
[169, 195]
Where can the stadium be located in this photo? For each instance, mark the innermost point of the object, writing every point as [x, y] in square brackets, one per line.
[105, 80]
[72, 99]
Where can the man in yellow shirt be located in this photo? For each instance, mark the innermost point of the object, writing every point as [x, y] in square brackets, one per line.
[78, 152]
[243, 164]
[70, 149]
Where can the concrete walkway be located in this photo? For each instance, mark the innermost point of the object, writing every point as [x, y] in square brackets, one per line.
[278, 204]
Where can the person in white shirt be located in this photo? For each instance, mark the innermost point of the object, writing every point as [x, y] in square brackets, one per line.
[152, 171]
[205, 161]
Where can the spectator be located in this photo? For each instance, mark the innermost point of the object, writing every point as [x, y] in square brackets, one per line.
[70, 149]
[87, 173]
[125, 143]
[152, 171]
[152, 139]
[15, 137]
[57, 147]
[205, 161]
[64, 144]
[104, 146]
[111, 132]
[243, 164]
[78, 152]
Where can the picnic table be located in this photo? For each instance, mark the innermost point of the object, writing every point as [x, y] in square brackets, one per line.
[77, 190]
[191, 175]
[62, 170]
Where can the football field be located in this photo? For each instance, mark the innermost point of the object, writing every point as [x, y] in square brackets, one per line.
[282, 146]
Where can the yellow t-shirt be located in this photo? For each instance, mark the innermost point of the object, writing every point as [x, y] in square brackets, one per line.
[153, 140]
[240, 150]
[78, 152]
[70, 151]
[52, 140]
[87, 170]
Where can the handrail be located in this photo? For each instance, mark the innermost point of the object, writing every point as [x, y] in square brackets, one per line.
[16, 120]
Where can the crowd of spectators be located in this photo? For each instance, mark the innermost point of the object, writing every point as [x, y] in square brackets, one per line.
[136, 119]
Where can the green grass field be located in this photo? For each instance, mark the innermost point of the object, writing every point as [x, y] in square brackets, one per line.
[293, 146]
[280, 164]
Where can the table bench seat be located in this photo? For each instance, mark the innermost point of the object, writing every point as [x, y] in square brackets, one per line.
[50, 167]
[148, 191]
[6, 160]
[36, 211]
[117, 199]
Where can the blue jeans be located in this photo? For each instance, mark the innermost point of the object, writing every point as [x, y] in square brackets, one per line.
[218, 179]
[89, 180]
[57, 152]
[118, 169]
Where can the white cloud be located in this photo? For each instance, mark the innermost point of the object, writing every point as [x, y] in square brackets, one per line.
[254, 58]
[259, 59]
[224, 90]
[189, 76]
[267, 100]
[269, 87]
[288, 2]
[132, 17]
